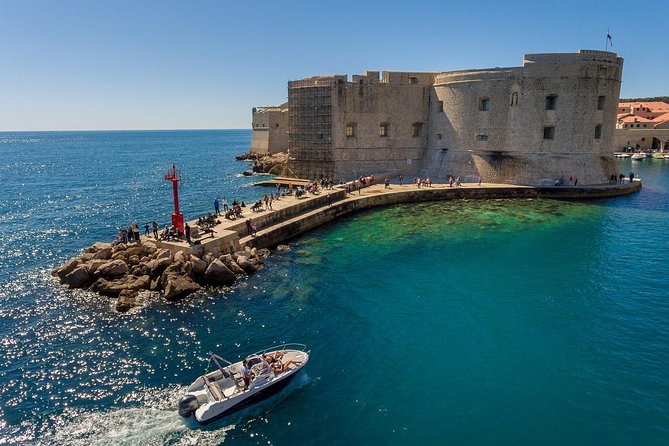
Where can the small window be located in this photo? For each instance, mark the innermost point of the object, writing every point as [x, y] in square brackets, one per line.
[484, 104]
[551, 102]
[598, 131]
[440, 106]
[481, 137]
[276, 126]
[416, 128]
[601, 102]
[643, 139]
[413, 80]
[321, 136]
[549, 132]
[384, 130]
[439, 136]
[350, 130]
[638, 125]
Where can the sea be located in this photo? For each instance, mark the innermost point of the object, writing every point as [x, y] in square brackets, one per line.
[505, 322]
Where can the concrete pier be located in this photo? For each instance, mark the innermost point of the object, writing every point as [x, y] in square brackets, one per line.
[293, 216]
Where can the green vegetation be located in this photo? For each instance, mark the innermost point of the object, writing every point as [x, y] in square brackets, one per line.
[653, 99]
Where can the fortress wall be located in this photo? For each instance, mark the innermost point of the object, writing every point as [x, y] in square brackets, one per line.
[511, 141]
[399, 100]
[270, 129]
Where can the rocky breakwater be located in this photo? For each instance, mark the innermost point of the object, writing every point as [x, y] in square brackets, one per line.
[123, 271]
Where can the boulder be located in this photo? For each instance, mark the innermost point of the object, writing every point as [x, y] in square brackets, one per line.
[113, 269]
[208, 257]
[282, 248]
[149, 248]
[134, 251]
[177, 287]
[163, 254]
[231, 264]
[87, 256]
[155, 284]
[66, 269]
[138, 283]
[254, 252]
[133, 260]
[109, 287]
[98, 246]
[157, 266]
[119, 248]
[127, 299]
[93, 265]
[103, 254]
[219, 274]
[120, 255]
[77, 278]
[181, 257]
[175, 269]
[199, 266]
[246, 264]
[263, 253]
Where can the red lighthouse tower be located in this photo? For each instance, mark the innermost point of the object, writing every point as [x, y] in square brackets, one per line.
[177, 218]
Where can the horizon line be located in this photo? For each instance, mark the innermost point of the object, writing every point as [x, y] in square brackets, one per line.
[121, 130]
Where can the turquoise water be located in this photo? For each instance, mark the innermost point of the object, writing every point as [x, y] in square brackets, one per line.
[465, 322]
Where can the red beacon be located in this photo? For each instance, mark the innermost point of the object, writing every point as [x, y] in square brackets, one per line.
[174, 176]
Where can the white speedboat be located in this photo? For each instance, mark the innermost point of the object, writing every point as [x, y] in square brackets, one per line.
[639, 156]
[225, 390]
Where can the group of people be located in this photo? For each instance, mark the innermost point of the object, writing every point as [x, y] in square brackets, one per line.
[620, 178]
[425, 182]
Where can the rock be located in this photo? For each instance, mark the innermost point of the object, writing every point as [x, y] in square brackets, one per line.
[112, 269]
[208, 257]
[67, 268]
[87, 256]
[134, 251]
[77, 278]
[133, 260]
[177, 287]
[93, 265]
[104, 253]
[155, 284]
[149, 248]
[231, 264]
[109, 287]
[247, 249]
[199, 266]
[119, 248]
[120, 255]
[157, 266]
[145, 259]
[163, 254]
[126, 301]
[245, 264]
[181, 257]
[175, 269]
[254, 252]
[263, 253]
[219, 274]
[138, 283]
[283, 248]
[98, 246]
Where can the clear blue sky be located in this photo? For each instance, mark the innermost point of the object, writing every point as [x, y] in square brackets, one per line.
[159, 64]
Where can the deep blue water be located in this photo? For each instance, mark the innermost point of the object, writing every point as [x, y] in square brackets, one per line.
[465, 322]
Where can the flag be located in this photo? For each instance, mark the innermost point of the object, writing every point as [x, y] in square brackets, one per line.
[608, 36]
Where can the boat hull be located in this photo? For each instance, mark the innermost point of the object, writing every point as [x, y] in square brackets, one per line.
[260, 395]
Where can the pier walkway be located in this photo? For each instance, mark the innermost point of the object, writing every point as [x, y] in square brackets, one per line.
[293, 216]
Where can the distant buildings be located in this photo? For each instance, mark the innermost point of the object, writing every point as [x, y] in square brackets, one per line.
[553, 117]
[642, 126]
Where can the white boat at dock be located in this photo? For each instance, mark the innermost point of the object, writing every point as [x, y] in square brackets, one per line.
[622, 155]
[639, 156]
[225, 390]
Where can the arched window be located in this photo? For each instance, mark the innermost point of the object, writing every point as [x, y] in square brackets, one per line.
[351, 129]
[384, 130]
[416, 129]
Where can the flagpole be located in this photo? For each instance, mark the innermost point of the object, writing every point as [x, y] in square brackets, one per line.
[607, 39]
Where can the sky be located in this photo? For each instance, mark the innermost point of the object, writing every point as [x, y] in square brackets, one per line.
[162, 64]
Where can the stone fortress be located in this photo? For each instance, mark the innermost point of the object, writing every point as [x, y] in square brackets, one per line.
[552, 118]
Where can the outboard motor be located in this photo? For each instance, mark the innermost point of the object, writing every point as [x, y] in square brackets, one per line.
[187, 405]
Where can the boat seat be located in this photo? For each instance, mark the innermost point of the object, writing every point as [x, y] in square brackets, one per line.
[229, 391]
[214, 389]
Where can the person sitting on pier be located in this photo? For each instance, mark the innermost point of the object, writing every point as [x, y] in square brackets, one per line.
[257, 206]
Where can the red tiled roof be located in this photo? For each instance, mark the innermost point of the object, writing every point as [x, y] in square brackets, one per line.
[655, 106]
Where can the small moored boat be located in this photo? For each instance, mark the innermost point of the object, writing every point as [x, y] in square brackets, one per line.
[224, 390]
[639, 156]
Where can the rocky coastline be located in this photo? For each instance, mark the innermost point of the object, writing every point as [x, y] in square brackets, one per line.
[273, 163]
[122, 271]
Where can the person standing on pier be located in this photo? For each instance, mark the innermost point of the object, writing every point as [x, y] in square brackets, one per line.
[216, 206]
[187, 228]
[155, 229]
[248, 226]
